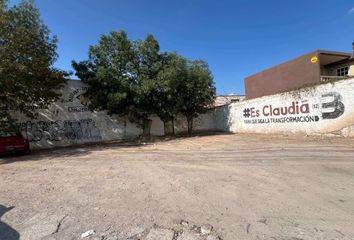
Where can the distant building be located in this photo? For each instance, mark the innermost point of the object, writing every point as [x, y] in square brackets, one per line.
[227, 99]
[308, 70]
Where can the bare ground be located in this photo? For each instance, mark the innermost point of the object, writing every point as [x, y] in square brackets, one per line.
[245, 186]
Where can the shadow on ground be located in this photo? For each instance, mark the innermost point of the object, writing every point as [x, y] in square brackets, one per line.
[86, 149]
[6, 231]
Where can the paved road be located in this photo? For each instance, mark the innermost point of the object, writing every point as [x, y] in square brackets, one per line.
[245, 186]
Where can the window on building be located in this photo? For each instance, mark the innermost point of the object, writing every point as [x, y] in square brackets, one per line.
[343, 71]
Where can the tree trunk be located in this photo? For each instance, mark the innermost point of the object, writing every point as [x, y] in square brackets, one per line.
[167, 127]
[146, 127]
[190, 125]
[125, 126]
[173, 126]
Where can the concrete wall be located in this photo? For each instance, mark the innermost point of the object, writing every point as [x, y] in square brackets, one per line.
[204, 122]
[327, 108]
[69, 122]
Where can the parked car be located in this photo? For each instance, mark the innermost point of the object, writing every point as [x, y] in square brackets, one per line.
[13, 142]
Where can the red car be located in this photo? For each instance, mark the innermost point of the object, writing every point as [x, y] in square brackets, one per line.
[13, 142]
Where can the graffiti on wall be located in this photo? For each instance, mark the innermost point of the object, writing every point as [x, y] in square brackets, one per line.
[329, 106]
[83, 129]
[76, 93]
[26, 107]
[78, 109]
[78, 97]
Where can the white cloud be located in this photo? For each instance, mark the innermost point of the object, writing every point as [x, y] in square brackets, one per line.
[351, 10]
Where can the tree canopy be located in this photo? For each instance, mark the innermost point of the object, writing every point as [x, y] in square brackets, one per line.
[171, 75]
[134, 79]
[27, 55]
[121, 75]
[110, 73]
[197, 92]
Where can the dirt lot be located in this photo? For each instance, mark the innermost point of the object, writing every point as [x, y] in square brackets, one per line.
[245, 186]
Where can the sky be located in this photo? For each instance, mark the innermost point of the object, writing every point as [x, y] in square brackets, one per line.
[237, 38]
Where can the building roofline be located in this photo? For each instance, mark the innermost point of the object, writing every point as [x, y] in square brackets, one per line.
[335, 53]
[314, 52]
[231, 95]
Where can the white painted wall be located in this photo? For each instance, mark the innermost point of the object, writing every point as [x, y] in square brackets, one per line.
[327, 108]
[204, 122]
[69, 122]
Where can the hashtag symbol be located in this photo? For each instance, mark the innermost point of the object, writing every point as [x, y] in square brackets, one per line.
[246, 113]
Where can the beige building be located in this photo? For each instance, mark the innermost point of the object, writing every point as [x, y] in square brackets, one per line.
[341, 69]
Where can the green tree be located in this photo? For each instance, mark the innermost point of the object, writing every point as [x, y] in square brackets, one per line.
[27, 55]
[121, 76]
[110, 74]
[149, 66]
[196, 93]
[172, 73]
[134, 79]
